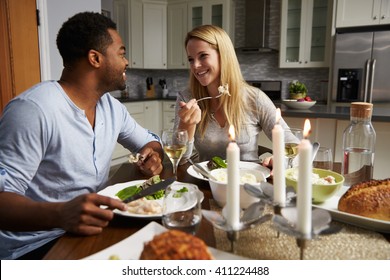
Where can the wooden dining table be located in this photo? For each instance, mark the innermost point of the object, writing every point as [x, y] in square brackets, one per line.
[72, 247]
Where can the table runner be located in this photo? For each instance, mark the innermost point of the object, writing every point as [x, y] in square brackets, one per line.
[261, 242]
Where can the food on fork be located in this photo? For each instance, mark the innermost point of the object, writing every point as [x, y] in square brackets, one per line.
[175, 245]
[370, 199]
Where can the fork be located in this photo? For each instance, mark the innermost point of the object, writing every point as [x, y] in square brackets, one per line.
[210, 97]
[222, 91]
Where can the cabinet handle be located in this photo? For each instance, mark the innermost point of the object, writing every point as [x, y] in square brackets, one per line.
[383, 17]
[375, 17]
[172, 106]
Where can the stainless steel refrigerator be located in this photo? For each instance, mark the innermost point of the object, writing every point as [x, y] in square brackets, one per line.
[361, 67]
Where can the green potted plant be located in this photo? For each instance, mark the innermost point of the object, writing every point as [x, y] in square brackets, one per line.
[297, 90]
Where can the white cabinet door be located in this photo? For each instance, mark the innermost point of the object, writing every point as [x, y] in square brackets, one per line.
[168, 114]
[215, 12]
[148, 36]
[305, 33]
[177, 31]
[136, 38]
[120, 17]
[362, 12]
[152, 116]
[136, 110]
[155, 35]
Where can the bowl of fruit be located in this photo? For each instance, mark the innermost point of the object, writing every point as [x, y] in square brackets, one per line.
[302, 103]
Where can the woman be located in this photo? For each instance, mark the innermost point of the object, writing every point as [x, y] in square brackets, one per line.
[215, 69]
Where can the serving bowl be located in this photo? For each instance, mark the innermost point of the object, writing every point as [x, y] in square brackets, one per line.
[320, 192]
[295, 104]
[219, 186]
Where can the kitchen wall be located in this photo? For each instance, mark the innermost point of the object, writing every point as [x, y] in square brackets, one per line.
[261, 66]
[53, 14]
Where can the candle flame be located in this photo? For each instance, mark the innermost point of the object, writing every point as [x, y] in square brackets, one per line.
[306, 128]
[232, 134]
[278, 115]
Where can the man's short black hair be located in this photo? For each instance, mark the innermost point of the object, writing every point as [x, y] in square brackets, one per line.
[81, 33]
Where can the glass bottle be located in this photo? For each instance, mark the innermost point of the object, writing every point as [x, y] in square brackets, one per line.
[358, 145]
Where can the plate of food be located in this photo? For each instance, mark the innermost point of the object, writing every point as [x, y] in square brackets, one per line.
[298, 104]
[132, 247]
[242, 165]
[149, 207]
[332, 205]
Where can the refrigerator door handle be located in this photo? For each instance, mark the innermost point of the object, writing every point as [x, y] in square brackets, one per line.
[366, 80]
[373, 62]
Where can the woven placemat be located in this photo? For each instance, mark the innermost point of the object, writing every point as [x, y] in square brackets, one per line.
[261, 242]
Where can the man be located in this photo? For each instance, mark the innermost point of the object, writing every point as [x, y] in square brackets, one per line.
[57, 140]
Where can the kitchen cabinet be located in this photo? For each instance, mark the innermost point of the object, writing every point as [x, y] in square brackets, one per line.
[168, 114]
[177, 31]
[148, 115]
[362, 12]
[215, 12]
[184, 15]
[305, 33]
[382, 152]
[155, 35]
[119, 16]
[142, 25]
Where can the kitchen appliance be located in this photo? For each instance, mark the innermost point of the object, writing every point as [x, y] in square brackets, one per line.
[272, 88]
[256, 28]
[361, 66]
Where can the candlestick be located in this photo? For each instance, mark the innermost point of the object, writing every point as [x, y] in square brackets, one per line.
[278, 169]
[233, 182]
[304, 183]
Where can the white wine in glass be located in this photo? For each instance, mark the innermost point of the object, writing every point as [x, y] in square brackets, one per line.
[175, 145]
[292, 138]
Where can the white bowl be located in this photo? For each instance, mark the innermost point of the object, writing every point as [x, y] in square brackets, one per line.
[295, 104]
[218, 188]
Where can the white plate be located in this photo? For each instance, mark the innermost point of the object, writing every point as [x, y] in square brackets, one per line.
[112, 190]
[131, 247]
[294, 104]
[242, 165]
[360, 221]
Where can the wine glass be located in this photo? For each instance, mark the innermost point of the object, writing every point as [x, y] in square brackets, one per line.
[182, 207]
[323, 159]
[175, 145]
[292, 137]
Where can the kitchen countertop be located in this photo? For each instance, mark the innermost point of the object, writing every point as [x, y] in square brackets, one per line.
[381, 114]
[334, 112]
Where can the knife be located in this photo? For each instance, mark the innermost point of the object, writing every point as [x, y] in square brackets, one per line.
[202, 171]
[151, 190]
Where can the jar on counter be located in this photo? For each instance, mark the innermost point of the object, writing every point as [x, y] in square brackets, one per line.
[358, 145]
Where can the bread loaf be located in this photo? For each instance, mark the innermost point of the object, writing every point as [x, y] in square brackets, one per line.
[369, 199]
[175, 245]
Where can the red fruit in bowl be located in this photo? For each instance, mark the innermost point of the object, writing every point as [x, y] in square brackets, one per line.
[301, 100]
[307, 98]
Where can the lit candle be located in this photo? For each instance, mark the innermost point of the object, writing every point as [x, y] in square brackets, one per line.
[278, 169]
[304, 182]
[233, 182]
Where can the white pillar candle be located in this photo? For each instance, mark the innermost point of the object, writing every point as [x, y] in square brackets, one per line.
[233, 182]
[278, 169]
[304, 182]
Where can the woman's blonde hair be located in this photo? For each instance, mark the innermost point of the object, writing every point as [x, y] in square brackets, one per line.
[234, 106]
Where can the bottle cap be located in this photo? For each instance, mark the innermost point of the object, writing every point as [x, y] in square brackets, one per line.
[361, 110]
